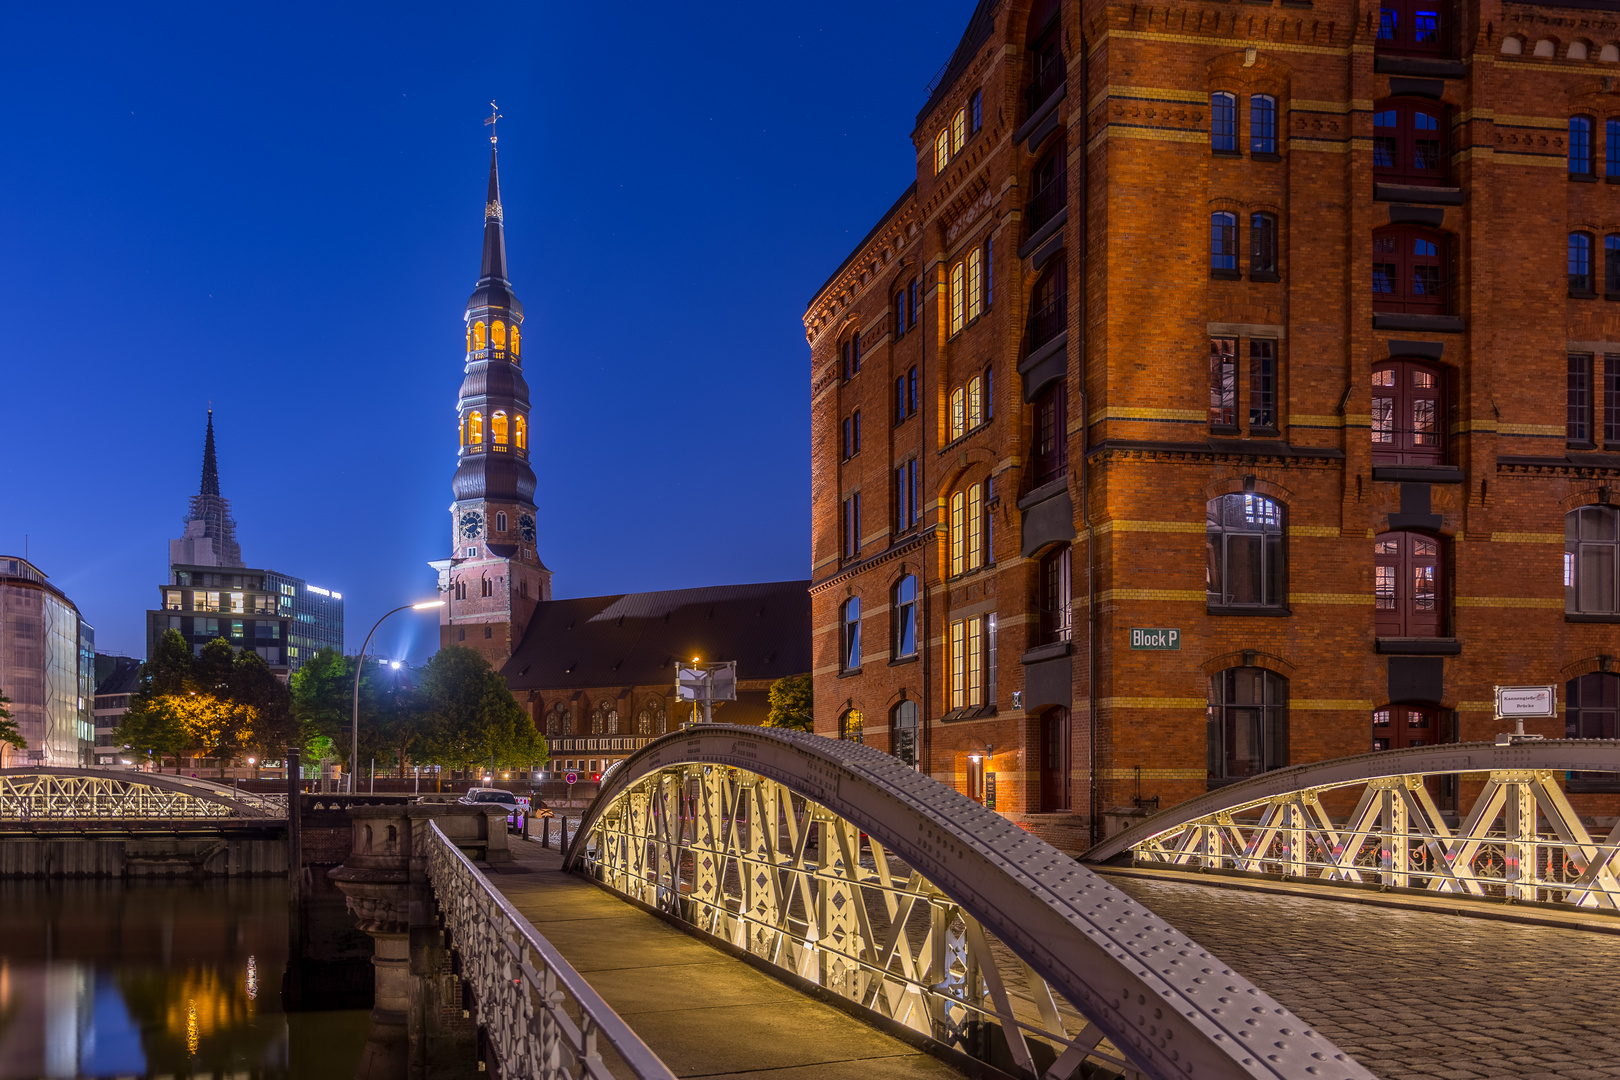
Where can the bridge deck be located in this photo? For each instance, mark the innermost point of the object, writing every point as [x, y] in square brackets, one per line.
[704, 1012]
[1415, 995]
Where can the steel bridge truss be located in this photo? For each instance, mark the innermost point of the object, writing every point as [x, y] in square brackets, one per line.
[84, 795]
[753, 860]
[1521, 840]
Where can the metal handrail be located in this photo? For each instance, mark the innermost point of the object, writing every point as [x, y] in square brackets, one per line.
[523, 985]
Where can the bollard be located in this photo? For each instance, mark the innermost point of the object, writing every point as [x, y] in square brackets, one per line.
[562, 842]
[545, 832]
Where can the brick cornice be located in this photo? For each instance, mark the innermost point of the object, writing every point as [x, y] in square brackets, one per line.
[911, 543]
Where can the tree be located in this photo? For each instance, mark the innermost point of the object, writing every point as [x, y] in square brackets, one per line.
[791, 704]
[151, 726]
[9, 735]
[322, 697]
[469, 716]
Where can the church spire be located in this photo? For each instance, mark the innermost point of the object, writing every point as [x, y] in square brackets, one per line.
[210, 474]
[493, 268]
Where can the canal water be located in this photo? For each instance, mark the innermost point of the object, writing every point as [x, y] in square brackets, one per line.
[177, 979]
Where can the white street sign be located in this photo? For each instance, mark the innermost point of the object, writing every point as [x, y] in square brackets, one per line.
[1526, 701]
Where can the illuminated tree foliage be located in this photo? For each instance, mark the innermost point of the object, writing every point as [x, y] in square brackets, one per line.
[791, 704]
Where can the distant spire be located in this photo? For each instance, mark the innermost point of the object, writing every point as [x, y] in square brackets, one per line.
[210, 477]
[494, 264]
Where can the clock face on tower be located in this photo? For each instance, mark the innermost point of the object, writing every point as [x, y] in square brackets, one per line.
[471, 524]
[526, 527]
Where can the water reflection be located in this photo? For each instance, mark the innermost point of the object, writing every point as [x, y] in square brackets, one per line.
[106, 979]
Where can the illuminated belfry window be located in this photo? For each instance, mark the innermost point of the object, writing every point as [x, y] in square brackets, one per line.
[497, 334]
[478, 335]
[517, 339]
[473, 432]
[469, 340]
[520, 424]
[497, 427]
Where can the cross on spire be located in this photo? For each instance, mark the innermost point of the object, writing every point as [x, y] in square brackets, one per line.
[494, 115]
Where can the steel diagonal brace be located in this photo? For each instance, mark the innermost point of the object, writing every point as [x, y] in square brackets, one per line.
[1424, 816]
[1474, 832]
[1596, 869]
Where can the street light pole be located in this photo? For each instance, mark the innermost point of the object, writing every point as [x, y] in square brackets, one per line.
[359, 665]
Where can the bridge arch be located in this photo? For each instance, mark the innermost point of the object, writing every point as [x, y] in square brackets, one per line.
[788, 844]
[46, 794]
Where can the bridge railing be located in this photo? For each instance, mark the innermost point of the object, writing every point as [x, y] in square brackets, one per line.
[542, 1018]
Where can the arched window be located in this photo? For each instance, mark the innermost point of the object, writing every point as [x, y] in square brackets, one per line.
[852, 726]
[1247, 728]
[975, 527]
[1411, 26]
[1223, 245]
[1409, 142]
[517, 339]
[1408, 585]
[1054, 597]
[1262, 247]
[958, 131]
[900, 314]
[1049, 454]
[1054, 751]
[975, 283]
[1046, 65]
[1223, 123]
[1592, 561]
[851, 637]
[904, 606]
[497, 334]
[1049, 186]
[1580, 264]
[975, 402]
[1245, 552]
[1581, 162]
[554, 722]
[958, 413]
[475, 428]
[942, 151]
[498, 428]
[1408, 272]
[500, 521]
[1049, 303]
[520, 433]
[487, 587]
[1262, 124]
[469, 339]
[599, 720]
[958, 298]
[903, 733]
[1398, 727]
[1407, 414]
[478, 336]
[850, 352]
[958, 533]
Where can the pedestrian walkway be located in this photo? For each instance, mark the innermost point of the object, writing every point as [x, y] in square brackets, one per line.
[705, 1013]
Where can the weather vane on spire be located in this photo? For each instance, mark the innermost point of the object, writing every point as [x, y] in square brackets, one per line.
[494, 115]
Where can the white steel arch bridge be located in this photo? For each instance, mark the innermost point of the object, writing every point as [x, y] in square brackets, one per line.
[37, 794]
[858, 877]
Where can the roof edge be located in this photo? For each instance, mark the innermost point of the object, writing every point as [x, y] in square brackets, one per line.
[911, 190]
[979, 27]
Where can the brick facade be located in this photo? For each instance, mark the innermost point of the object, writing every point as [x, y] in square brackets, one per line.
[1477, 325]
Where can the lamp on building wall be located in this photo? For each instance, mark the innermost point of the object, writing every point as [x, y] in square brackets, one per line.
[359, 662]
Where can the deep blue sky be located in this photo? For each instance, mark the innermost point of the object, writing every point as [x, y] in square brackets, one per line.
[280, 211]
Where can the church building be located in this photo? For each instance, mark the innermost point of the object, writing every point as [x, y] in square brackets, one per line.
[597, 674]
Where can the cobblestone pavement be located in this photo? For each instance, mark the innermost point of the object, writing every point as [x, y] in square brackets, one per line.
[1414, 994]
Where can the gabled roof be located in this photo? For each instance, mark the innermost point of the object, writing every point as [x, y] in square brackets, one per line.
[979, 26]
[635, 639]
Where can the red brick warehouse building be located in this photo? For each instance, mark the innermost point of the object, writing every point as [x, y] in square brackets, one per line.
[1238, 385]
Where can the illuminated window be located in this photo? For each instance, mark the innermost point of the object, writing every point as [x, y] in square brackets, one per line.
[958, 687]
[975, 661]
[958, 533]
[521, 429]
[958, 131]
[475, 428]
[497, 334]
[516, 338]
[852, 726]
[958, 309]
[975, 527]
[975, 402]
[497, 426]
[958, 415]
[469, 341]
[975, 283]
[478, 335]
[942, 151]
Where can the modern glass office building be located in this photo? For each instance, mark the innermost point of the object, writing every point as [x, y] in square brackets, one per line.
[282, 618]
[47, 669]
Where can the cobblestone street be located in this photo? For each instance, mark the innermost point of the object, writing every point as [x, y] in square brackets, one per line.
[1414, 994]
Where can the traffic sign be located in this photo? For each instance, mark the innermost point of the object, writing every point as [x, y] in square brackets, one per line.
[571, 778]
[545, 812]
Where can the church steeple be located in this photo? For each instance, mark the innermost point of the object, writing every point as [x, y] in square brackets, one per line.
[210, 476]
[494, 576]
[210, 536]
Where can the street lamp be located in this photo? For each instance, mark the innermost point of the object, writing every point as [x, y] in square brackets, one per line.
[359, 663]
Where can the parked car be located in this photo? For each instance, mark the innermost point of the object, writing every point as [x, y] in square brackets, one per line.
[492, 797]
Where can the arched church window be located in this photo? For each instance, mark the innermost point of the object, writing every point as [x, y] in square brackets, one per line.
[613, 721]
[554, 722]
[497, 425]
[520, 431]
[652, 719]
[478, 335]
[475, 428]
[497, 334]
[516, 339]
[598, 720]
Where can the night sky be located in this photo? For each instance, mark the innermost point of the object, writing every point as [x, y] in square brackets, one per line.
[280, 211]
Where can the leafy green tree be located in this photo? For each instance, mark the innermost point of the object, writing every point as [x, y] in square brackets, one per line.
[322, 697]
[152, 726]
[792, 702]
[469, 716]
[9, 735]
[251, 683]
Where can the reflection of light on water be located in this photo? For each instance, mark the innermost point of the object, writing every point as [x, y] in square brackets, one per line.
[253, 977]
[191, 1028]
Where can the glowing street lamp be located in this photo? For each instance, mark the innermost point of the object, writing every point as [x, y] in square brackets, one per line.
[354, 749]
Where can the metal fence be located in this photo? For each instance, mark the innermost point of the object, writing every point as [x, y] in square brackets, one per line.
[542, 1018]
